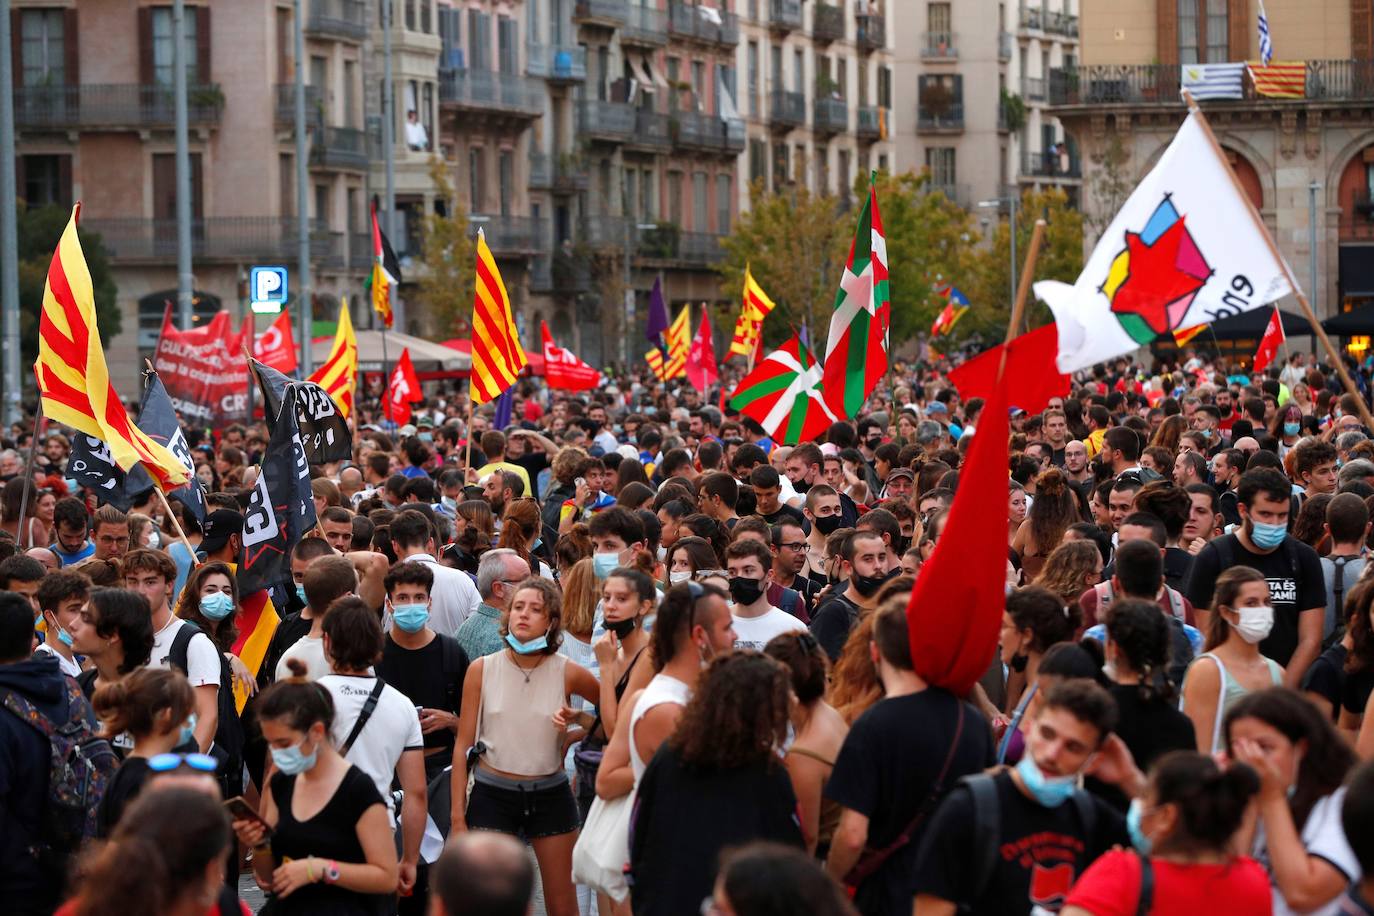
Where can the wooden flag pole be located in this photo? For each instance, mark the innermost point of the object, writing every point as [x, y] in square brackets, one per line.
[23, 534]
[1365, 416]
[176, 523]
[467, 457]
[1018, 307]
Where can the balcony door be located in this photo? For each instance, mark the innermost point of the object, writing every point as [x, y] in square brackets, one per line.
[165, 202]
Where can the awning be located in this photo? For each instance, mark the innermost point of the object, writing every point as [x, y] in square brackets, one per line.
[658, 79]
[427, 356]
[1252, 324]
[1358, 321]
[464, 346]
[637, 68]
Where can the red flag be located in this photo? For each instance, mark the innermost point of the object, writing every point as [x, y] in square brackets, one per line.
[563, 369]
[1030, 363]
[701, 359]
[276, 347]
[1270, 342]
[955, 609]
[403, 389]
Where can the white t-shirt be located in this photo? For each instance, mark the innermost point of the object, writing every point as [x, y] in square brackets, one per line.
[754, 632]
[202, 658]
[310, 651]
[1322, 836]
[68, 665]
[393, 728]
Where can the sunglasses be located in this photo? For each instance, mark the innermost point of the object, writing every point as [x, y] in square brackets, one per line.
[163, 763]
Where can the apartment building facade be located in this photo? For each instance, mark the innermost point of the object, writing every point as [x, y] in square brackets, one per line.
[815, 94]
[1121, 103]
[974, 75]
[94, 118]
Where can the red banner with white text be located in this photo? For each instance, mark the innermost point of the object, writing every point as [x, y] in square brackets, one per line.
[204, 370]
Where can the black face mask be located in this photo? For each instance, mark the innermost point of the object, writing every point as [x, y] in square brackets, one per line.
[828, 524]
[866, 586]
[901, 544]
[744, 590]
[801, 486]
[874, 443]
[621, 628]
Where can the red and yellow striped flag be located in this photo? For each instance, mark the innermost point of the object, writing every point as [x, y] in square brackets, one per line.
[1282, 79]
[1183, 335]
[679, 343]
[655, 360]
[74, 381]
[749, 325]
[339, 374]
[497, 357]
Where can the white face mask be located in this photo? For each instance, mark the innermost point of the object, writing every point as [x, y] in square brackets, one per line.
[680, 576]
[1255, 623]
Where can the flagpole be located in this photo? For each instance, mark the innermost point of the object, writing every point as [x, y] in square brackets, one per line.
[176, 523]
[28, 479]
[467, 457]
[1365, 416]
[1022, 291]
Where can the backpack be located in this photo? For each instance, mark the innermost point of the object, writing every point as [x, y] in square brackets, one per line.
[1338, 593]
[229, 740]
[80, 766]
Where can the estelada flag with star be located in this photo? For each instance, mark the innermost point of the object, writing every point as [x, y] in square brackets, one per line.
[856, 350]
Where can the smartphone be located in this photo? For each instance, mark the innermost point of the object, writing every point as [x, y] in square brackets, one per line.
[240, 810]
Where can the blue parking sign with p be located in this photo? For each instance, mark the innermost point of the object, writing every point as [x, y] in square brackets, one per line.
[267, 289]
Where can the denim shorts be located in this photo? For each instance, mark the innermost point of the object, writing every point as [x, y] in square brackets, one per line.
[527, 808]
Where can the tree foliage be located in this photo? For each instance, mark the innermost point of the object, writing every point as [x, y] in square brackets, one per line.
[445, 289]
[40, 229]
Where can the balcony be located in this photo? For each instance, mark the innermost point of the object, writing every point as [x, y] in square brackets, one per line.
[831, 116]
[609, 14]
[697, 132]
[938, 46]
[827, 23]
[1004, 40]
[541, 171]
[569, 174]
[1032, 18]
[644, 27]
[285, 111]
[1333, 81]
[652, 133]
[113, 106]
[510, 236]
[342, 148]
[667, 242]
[1065, 24]
[557, 63]
[702, 23]
[1033, 88]
[870, 32]
[1049, 164]
[784, 15]
[228, 238]
[950, 120]
[786, 110]
[489, 91]
[611, 121]
[345, 20]
[872, 123]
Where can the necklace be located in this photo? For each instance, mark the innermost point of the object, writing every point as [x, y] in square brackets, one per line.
[528, 673]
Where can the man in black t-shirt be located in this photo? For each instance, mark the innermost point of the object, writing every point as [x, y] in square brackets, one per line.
[1297, 588]
[889, 769]
[1004, 844]
[864, 565]
[426, 666]
[767, 486]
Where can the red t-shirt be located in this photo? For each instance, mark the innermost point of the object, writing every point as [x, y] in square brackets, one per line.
[1111, 887]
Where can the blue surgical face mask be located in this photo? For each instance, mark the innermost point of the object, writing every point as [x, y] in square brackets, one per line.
[1048, 791]
[1292, 429]
[426, 437]
[1139, 840]
[410, 617]
[62, 635]
[449, 503]
[603, 564]
[538, 644]
[188, 731]
[300, 592]
[1267, 536]
[291, 761]
[216, 605]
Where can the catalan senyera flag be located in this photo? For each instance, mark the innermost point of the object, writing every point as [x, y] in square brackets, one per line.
[749, 325]
[386, 271]
[1281, 79]
[1183, 335]
[497, 357]
[339, 374]
[679, 343]
[257, 621]
[74, 381]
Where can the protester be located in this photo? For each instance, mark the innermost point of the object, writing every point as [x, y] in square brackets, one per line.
[763, 879]
[114, 631]
[482, 874]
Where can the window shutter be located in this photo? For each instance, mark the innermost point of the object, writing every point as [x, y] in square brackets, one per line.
[20, 176]
[71, 49]
[1361, 30]
[1166, 28]
[64, 179]
[145, 45]
[17, 55]
[202, 44]
[1241, 28]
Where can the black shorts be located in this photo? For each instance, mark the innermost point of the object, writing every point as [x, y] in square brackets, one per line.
[529, 809]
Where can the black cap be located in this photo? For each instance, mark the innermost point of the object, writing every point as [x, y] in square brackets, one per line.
[218, 526]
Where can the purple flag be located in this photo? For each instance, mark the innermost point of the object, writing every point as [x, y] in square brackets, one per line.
[657, 325]
[504, 405]
[803, 336]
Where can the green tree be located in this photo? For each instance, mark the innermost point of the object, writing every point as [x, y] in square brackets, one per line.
[446, 274]
[1109, 184]
[795, 243]
[40, 229]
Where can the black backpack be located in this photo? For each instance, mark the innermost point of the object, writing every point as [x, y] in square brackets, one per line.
[80, 765]
[229, 738]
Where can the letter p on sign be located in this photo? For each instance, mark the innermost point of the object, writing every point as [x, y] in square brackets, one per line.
[267, 287]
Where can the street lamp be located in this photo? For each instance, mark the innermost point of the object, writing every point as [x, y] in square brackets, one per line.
[1013, 200]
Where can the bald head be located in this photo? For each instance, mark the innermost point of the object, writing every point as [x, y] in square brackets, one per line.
[350, 482]
[45, 556]
[1247, 444]
[482, 872]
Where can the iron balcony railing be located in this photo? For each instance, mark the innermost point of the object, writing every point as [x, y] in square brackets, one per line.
[605, 120]
[787, 109]
[939, 46]
[285, 109]
[491, 90]
[1061, 24]
[653, 130]
[1032, 17]
[243, 238]
[871, 122]
[1049, 164]
[607, 12]
[827, 22]
[1157, 84]
[1004, 41]
[510, 235]
[785, 14]
[1033, 88]
[951, 119]
[113, 105]
[346, 19]
[557, 63]
[644, 25]
[831, 116]
[541, 171]
[870, 32]
[708, 133]
[691, 21]
[338, 148]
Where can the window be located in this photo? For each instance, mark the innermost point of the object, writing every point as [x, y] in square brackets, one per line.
[506, 176]
[674, 103]
[603, 197]
[798, 70]
[427, 112]
[753, 65]
[885, 87]
[426, 23]
[940, 161]
[44, 180]
[476, 179]
[775, 61]
[628, 193]
[822, 170]
[286, 180]
[162, 46]
[799, 163]
[479, 40]
[42, 49]
[842, 176]
[450, 38]
[758, 160]
[938, 19]
[410, 15]
[779, 165]
[675, 198]
[322, 204]
[507, 38]
[842, 76]
[699, 202]
[1188, 32]
[698, 86]
[648, 211]
[350, 105]
[723, 204]
[1218, 32]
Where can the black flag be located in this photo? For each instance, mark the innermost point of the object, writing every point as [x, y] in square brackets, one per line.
[323, 430]
[158, 419]
[91, 465]
[282, 507]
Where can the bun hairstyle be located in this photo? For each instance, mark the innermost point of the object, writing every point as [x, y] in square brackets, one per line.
[638, 579]
[1051, 482]
[297, 701]
[1141, 634]
[1074, 660]
[806, 663]
[1211, 801]
[134, 703]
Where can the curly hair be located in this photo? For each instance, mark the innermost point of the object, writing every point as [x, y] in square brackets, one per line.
[553, 608]
[1055, 508]
[854, 685]
[738, 715]
[1310, 528]
[1068, 568]
[221, 632]
[1359, 607]
[520, 527]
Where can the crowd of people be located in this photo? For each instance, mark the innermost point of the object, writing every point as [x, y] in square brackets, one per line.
[629, 655]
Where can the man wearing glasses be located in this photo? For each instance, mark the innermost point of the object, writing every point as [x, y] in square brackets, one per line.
[789, 561]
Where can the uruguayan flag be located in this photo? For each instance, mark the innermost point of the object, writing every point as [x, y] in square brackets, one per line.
[1266, 45]
[1213, 81]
